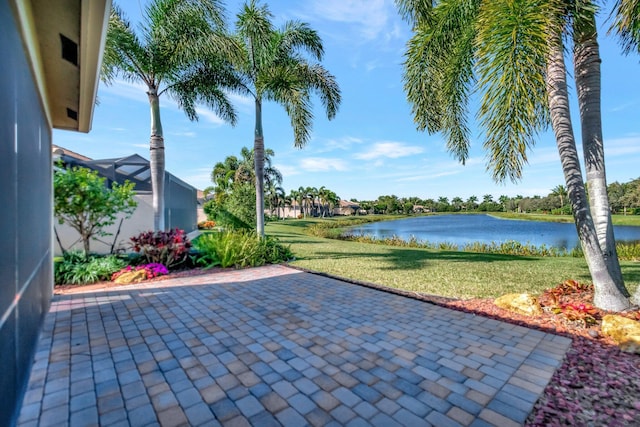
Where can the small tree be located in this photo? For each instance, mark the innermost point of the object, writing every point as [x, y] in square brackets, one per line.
[84, 202]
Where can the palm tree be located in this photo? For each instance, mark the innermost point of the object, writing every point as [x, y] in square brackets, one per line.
[332, 200]
[302, 198]
[223, 176]
[457, 203]
[311, 194]
[559, 191]
[472, 202]
[275, 195]
[294, 195]
[512, 51]
[504, 201]
[273, 68]
[168, 56]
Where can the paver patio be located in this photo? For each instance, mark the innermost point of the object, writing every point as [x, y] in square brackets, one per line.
[278, 346]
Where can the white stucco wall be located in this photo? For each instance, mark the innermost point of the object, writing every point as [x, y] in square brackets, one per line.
[140, 221]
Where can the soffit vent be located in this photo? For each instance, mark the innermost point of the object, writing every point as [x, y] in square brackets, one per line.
[72, 114]
[69, 50]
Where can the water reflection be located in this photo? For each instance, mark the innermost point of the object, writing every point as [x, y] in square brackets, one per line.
[463, 229]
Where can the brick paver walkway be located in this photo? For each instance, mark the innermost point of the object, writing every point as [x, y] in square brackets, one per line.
[277, 346]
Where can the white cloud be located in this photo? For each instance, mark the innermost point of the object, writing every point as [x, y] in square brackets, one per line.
[389, 149]
[127, 90]
[321, 164]
[189, 134]
[345, 143]
[623, 106]
[369, 16]
[209, 116]
[200, 178]
[622, 146]
[242, 103]
[288, 170]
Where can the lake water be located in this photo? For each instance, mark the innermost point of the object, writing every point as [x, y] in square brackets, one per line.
[463, 229]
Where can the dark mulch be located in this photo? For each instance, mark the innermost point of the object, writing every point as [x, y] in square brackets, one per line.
[597, 385]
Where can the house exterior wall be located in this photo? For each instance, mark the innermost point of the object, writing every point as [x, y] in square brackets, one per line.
[181, 201]
[180, 212]
[26, 278]
[140, 221]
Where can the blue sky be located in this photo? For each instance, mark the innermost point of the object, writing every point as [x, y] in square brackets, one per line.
[371, 148]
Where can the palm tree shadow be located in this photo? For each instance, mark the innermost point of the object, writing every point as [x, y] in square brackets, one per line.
[412, 259]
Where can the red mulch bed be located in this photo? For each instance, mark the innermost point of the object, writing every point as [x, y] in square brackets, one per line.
[71, 289]
[597, 385]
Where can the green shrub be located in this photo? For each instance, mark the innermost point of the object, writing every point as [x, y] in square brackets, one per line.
[512, 247]
[628, 251]
[509, 247]
[239, 248]
[76, 269]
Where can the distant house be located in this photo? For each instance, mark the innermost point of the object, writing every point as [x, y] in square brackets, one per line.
[346, 207]
[51, 54]
[180, 201]
[291, 210]
[200, 215]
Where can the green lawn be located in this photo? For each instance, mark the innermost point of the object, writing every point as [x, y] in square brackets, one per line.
[445, 273]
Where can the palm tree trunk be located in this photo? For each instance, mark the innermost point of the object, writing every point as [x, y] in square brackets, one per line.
[587, 75]
[607, 295]
[258, 152]
[156, 161]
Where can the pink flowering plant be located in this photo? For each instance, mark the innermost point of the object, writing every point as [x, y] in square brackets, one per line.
[151, 270]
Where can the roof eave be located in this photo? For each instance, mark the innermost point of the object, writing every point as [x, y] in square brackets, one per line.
[68, 85]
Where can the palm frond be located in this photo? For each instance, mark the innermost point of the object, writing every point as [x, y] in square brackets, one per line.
[298, 36]
[255, 28]
[512, 53]
[439, 75]
[626, 23]
[124, 55]
[323, 83]
[300, 113]
[414, 11]
[204, 84]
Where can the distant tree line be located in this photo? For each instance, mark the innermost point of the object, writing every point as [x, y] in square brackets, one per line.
[624, 199]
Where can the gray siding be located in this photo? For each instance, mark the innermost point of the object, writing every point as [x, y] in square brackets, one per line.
[25, 217]
[181, 201]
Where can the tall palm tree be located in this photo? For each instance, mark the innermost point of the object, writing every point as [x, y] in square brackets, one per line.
[323, 199]
[332, 199]
[457, 203]
[168, 55]
[273, 68]
[559, 191]
[223, 176]
[293, 196]
[302, 198]
[311, 194]
[233, 171]
[504, 201]
[472, 202]
[275, 196]
[512, 51]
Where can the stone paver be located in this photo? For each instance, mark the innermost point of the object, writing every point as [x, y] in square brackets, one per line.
[277, 346]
